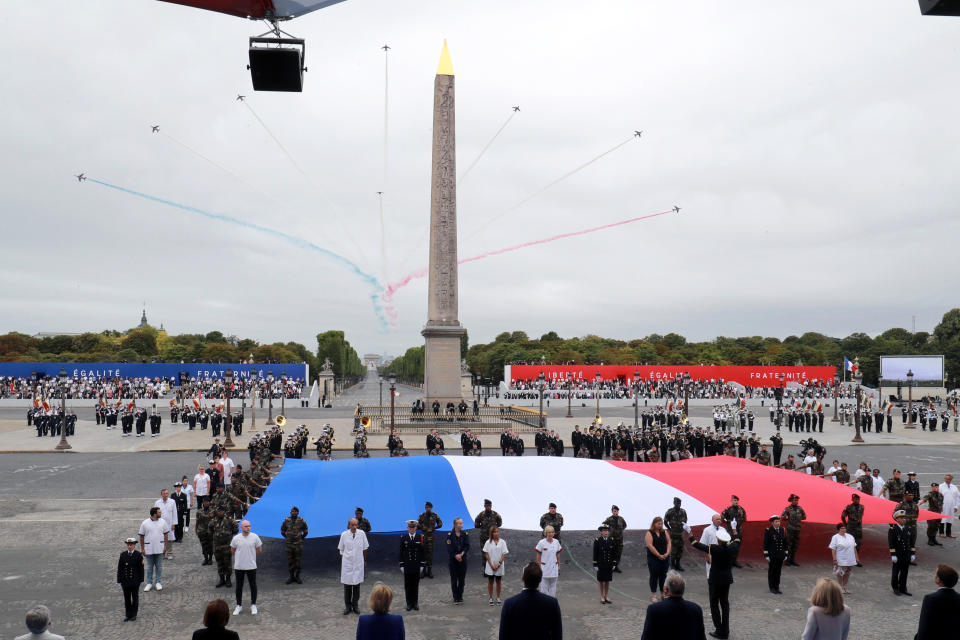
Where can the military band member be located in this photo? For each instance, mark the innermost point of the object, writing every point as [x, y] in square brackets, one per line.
[129, 577]
[294, 531]
[428, 522]
[616, 526]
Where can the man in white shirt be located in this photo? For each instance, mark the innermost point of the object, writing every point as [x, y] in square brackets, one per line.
[168, 511]
[228, 466]
[709, 536]
[245, 548]
[154, 532]
[353, 547]
[832, 471]
[810, 459]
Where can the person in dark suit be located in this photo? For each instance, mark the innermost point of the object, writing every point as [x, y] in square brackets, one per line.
[129, 577]
[411, 564]
[722, 555]
[940, 613]
[531, 615]
[381, 624]
[774, 552]
[673, 617]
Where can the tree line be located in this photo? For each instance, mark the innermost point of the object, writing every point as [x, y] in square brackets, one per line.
[811, 348]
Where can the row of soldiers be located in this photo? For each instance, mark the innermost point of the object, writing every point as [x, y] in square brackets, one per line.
[511, 444]
[51, 423]
[470, 443]
[296, 444]
[218, 517]
[547, 442]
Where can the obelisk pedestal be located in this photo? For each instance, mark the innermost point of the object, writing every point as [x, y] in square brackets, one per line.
[443, 331]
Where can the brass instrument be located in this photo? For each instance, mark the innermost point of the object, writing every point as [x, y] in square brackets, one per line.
[365, 421]
[280, 420]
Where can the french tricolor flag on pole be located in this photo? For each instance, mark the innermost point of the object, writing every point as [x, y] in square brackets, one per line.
[849, 366]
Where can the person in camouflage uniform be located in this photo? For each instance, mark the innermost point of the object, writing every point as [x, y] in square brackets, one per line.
[894, 488]
[204, 532]
[673, 520]
[294, 530]
[428, 522]
[852, 519]
[794, 515]
[362, 523]
[934, 502]
[735, 517]
[224, 529]
[485, 520]
[553, 519]
[909, 506]
[617, 526]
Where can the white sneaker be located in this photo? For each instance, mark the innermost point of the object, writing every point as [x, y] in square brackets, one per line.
[159, 587]
[253, 609]
[148, 587]
[237, 610]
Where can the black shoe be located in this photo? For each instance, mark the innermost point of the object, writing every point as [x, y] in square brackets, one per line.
[738, 565]
[896, 592]
[859, 565]
[906, 593]
[774, 591]
[716, 634]
[290, 580]
[132, 618]
[617, 570]
[679, 568]
[347, 610]
[937, 544]
[229, 584]
[297, 578]
[222, 582]
[779, 593]
[417, 608]
[409, 607]
[913, 564]
[356, 609]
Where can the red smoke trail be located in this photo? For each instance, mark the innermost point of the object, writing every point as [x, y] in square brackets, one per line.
[393, 287]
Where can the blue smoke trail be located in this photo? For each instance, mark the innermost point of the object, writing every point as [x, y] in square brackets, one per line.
[299, 242]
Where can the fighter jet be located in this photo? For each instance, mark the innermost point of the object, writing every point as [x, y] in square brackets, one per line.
[638, 133]
[81, 177]
[516, 108]
[385, 47]
[240, 98]
[676, 209]
[379, 193]
[154, 128]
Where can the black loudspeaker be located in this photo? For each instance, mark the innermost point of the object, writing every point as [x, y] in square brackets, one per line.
[940, 7]
[277, 68]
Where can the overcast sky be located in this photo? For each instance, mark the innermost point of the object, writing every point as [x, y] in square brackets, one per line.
[810, 144]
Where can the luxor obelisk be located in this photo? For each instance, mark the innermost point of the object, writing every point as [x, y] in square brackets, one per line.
[443, 331]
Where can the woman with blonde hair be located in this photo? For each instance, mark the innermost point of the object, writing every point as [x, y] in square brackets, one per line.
[827, 618]
[658, 556]
[548, 552]
[381, 624]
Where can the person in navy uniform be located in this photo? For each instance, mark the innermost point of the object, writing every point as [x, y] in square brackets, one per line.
[129, 577]
[604, 561]
[902, 552]
[774, 552]
[411, 564]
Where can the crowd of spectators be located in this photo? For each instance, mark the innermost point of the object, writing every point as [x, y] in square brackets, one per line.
[146, 388]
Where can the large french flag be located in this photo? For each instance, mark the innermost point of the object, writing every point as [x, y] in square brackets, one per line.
[393, 490]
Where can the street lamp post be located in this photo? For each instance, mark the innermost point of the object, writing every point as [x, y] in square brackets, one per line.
[857, 376]
[228, 378]
[381, 391]
[636, 399]
[569, 395]
[253, 400]
[836, 384]
[63, 444]
[283, 393]
[910, 424]
[541, 384]
[686, 393]
[270, 421]
[597, 392]
[393, 395]
[780, 402]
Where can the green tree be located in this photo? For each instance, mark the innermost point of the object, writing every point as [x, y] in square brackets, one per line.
[215, 337]
[220, 352]
[143, 341]
[949, 328]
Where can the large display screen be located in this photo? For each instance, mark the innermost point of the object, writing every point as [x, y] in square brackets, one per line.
[924, 368]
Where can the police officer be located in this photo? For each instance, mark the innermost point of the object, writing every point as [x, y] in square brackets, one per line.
[553, 519]
[294, 530]
[411, 564]
[428, 522]
[617, 525]
[794, 516]
[673, 520]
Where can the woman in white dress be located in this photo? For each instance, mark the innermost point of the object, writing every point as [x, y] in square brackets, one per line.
[494, 554]
[548, 553]
[843, 547]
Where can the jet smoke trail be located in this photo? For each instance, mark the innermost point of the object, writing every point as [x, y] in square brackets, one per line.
[547, 186]
[487, 146]
[299, 242]
[383, 238]
[393, 287]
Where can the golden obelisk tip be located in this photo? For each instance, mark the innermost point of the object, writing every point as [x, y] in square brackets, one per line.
[446, 65]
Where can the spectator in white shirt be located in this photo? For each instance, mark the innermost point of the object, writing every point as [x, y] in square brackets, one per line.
[228, 466]
[201, 485]
[245, 548]
[187, 489]
[168, 511]
[809, 460]
[154, 532]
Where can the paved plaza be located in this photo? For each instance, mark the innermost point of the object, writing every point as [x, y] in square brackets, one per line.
[64, 518]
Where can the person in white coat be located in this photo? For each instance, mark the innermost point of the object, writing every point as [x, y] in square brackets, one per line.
[951, 505]
[353, 547]
[168, 511]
